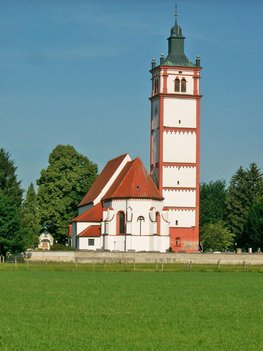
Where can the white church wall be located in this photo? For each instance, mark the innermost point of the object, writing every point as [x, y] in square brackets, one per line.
[148, 243]
[139, 208]
[179, 147]
[139, 217]
[182, 218]
[180, 113]
[115, 242]
[179, 198]
[137, 243]
[183, 177]
[89, 243]
[160, 243]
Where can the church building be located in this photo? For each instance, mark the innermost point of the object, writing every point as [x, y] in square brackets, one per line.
[128, 209]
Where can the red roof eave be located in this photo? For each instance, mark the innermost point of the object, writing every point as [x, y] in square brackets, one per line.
[91, 231]
[93, 214]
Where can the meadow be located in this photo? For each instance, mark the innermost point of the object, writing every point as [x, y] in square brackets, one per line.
[71, 309]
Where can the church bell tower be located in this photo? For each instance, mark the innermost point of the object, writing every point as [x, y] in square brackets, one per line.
[175, 140]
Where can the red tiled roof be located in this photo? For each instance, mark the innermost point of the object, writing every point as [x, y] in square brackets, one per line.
[102, 180]
[133, 182]
[93, 214]
[92, 230]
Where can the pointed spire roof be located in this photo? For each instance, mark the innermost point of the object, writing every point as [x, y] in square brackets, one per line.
[133, 182]
[176, 55]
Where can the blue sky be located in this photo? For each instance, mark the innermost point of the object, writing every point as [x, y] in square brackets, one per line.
[77, 72]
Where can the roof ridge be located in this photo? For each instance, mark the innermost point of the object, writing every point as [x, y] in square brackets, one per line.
[133, 182]
[103, 178]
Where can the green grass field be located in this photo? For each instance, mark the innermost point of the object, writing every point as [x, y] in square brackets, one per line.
[86, 310]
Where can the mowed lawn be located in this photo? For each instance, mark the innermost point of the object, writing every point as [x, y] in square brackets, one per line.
[71, 310]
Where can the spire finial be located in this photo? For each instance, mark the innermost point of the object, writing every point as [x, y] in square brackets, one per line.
[175, 13]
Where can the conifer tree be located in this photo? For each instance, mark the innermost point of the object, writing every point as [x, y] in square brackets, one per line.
[212, 202]
[11, 229]
[30, 217]
[245, 190]
[9, 184]
[254, 227]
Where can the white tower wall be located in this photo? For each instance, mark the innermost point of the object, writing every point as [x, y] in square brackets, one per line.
[179, 198]
[179, 113]
[179, 177]
[179, 147]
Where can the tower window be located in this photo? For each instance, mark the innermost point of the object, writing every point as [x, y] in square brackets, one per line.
[176, 222]
[177, 85]
[183, 85]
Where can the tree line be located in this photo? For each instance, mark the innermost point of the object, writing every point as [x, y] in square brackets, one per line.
[231, 216]
[61, 186]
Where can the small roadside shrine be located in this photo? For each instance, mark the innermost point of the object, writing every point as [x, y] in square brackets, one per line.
[46, 240]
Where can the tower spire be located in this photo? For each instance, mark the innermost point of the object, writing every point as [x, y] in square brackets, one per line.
[175, 14]
[176, 55]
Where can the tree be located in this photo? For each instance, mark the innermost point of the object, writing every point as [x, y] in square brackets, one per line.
[212, 202]
[216, 237]
[9, 184]
[254, 227]
[11, 231]
[245, 190]
[30, 217]
[62, 185]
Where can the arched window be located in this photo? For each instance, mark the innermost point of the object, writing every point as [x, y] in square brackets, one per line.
[177, 85]
[120, 223]
[183, 85]
[178, 241]
[158, 220]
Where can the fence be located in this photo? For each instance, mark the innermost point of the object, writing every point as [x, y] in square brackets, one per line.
[128, 265]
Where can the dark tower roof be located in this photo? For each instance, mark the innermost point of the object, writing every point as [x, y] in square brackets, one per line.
[176, 56]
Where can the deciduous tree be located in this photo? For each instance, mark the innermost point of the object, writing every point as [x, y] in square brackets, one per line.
[216, 237]
[62, 185]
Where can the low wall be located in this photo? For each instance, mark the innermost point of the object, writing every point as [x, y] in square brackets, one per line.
[143, 257]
